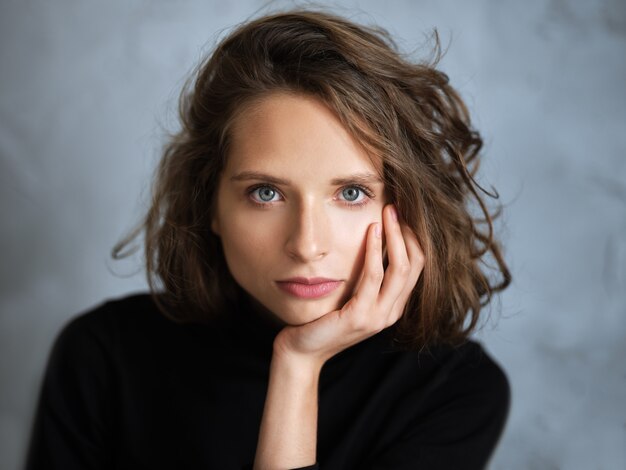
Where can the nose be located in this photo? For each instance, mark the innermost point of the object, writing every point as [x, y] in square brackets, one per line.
[308, 238]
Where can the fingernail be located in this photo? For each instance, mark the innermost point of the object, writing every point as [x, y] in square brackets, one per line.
[394, 213]
[377, 230]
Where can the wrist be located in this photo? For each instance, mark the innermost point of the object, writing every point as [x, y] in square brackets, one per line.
[300, 367]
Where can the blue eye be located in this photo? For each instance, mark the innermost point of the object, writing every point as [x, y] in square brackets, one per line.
[351, 193]
[264, 194]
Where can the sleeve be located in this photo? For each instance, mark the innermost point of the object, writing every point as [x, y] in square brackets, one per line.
[463, 427]
[72, 428]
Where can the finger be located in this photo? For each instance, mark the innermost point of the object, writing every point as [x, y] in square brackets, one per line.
[373, 272]
[399, 267]
[416, 260]
[414, 251]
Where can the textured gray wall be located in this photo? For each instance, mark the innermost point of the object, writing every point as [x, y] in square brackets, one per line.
[87, 88]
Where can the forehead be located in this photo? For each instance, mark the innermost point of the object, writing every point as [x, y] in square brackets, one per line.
[294, 134]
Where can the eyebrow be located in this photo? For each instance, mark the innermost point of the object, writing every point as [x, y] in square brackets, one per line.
[363, 178]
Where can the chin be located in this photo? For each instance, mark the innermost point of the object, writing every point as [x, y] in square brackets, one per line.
[301, 315]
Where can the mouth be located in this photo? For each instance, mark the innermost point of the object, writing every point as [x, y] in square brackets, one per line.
[308, 288]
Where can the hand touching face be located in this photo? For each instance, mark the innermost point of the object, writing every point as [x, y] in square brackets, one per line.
[378, 302]
[294, 205]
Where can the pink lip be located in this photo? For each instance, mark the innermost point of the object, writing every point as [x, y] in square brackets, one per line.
[308, 288]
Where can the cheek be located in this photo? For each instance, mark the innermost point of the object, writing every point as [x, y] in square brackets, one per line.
[351, 240]
[351, 237]
[247, 241]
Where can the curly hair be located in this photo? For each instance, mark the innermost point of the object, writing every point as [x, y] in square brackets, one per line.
[404, 113]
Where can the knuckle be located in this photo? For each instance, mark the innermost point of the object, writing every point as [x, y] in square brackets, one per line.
[376, 275]
[400, 270]
[359, 322]
[404, 268]
[348, 309]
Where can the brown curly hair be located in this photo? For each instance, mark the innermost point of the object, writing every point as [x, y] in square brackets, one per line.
[404, 113]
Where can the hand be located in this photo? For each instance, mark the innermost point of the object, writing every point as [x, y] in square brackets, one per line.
[378, 301]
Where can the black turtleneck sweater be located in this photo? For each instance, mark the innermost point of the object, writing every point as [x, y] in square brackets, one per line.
[126, 388]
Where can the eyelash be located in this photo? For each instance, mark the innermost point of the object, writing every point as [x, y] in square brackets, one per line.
[252, 189]
[364, 189]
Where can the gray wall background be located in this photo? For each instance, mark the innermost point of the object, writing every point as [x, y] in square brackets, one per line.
[88, 88]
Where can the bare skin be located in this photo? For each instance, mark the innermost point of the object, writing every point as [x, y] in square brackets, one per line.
[288, 434]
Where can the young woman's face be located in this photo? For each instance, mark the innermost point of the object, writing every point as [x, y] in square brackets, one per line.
[293, 206]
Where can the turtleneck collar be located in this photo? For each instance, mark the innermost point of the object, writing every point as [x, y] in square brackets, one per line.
[253, 329]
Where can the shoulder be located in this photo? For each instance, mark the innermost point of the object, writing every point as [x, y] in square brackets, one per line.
[95, 329]
[127, 309]
[468, 377]
[456, 381]
[138, 304]
[465, 369]
[472, 395]
[472, 366]
[486, 387]
[450, 406]
[78, 396]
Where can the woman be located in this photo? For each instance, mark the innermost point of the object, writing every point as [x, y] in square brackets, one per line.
[315, 272]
